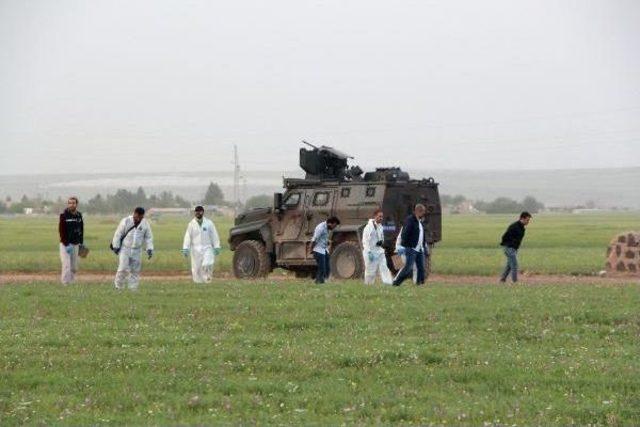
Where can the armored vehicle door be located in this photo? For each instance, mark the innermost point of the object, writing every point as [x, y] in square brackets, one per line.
[292, 220]
[318, 207]
[289, 239]
[430, 197]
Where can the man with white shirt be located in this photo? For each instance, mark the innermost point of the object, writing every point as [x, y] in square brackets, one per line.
[320, 247]
[132, 232]
[202, 241]
[414, 243]
[373, 253]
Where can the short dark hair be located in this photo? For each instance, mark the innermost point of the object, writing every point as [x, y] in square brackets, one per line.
[139, 210]
[333, 220]
[74, 198]
[198, 208]
[377, 211]
[524, 215]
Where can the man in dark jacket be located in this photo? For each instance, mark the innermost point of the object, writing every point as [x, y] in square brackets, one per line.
[414, 242]
[71, 229]
[511, 240]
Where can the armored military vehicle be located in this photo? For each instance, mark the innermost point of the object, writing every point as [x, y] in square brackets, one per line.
[266, 238]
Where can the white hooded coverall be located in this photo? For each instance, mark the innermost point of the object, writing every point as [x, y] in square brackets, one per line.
[201, 239]
[371, 235]
[130, 256]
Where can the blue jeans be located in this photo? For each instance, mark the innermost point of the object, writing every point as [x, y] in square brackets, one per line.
[413, 258]
[512, 264]
[323, 271]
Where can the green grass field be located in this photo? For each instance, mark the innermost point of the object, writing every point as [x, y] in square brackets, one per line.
[555, 244]
[294, 353]
[289, 352]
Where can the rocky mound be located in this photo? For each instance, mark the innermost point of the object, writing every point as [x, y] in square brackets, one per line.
[623, 253]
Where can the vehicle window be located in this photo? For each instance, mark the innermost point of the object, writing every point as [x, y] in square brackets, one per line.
[292, 199]
[345, 192]
[371, 191]
[321, 199]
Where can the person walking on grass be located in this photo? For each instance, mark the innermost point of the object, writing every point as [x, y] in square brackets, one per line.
[71, 230]
[402, 253]
[414, 242]
[320, 247]
[202, 241]
[511, 240]
[373, 252]
[132, 233]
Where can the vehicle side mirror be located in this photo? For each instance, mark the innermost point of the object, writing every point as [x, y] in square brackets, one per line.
[277, 202]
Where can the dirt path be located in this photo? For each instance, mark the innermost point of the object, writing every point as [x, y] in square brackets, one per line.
[24, 278]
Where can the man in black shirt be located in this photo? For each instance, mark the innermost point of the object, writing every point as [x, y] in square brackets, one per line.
[71, 229]
[511, 240]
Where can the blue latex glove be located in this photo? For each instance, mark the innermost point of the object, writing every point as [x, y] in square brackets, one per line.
[185, 252]
[69, 249]
[372, 256]
[216, 251]
[149, 253]
[401, 251]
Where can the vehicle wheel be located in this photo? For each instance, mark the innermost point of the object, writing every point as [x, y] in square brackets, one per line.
[346, 261]
[250, 260]
[396, 263]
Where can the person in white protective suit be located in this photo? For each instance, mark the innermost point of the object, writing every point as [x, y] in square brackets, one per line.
[375, 260]
[202, 241]
[132, 233]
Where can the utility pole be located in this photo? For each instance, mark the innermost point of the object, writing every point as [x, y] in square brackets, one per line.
[244, 189]
[236, 180]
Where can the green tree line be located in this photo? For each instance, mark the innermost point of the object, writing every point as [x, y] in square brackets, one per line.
[122, 201]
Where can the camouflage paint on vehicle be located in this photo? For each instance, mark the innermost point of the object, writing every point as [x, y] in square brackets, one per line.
[280, 236]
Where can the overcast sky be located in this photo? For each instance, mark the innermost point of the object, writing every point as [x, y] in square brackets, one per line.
[148, 86]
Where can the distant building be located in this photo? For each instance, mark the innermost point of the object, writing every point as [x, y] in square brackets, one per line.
[218, 210]
[465, 207]
[208, 209]
[156, 212]
[586, 210]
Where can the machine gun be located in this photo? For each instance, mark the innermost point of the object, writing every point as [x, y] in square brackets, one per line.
[327, 163]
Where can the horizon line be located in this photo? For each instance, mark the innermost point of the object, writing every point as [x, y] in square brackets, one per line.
[230, 172]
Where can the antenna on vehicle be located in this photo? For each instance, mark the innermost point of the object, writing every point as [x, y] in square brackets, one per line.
[309, 144]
